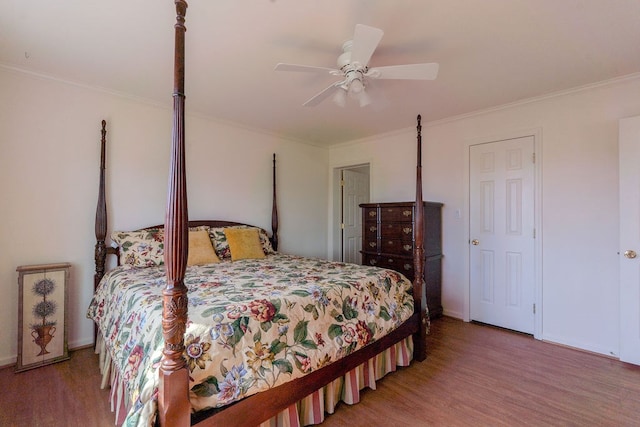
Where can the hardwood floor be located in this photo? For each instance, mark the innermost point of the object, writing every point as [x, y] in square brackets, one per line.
[63, 394]
[483, 376]
[474, 376]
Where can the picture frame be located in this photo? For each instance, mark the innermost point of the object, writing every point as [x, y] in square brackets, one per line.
[42, 315]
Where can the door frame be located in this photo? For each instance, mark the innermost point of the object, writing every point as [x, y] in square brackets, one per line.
[352, 220]
[334, 244]
[536, 133]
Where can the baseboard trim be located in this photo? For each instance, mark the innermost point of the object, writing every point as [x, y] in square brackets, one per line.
[10, 361]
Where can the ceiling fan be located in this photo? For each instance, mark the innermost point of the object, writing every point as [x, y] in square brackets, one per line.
[353, 68]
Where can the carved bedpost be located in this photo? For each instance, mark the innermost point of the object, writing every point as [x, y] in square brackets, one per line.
[101, 215]
[173, 398]
[419, 288]
[274, 210]
[100, 252]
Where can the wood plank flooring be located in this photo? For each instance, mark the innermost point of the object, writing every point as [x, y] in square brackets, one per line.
[483, 376]
[63, 394]
[474, 376]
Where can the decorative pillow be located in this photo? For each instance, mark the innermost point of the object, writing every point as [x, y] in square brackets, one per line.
[265, 242]
[220, 244]
[200, 248]
[143, 248]
[244, 243]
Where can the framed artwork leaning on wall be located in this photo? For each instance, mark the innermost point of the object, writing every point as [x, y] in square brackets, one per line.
[42, 315]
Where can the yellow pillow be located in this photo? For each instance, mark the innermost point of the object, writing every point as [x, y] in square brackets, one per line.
[244, 243]
[200, 248]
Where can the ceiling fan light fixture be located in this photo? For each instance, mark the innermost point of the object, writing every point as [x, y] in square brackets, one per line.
[340, 98]
[353, 67]
[356, 87]
[364, 99]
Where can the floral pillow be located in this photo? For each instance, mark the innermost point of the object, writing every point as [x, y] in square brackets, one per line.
[221, 245]
[144, 248]
[265, 242]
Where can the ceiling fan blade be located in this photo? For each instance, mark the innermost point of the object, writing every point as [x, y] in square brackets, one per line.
[365, 42]
[305, 68]
[427, 71]
[318, 98]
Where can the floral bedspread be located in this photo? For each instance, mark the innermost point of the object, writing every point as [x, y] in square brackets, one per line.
[253, 324]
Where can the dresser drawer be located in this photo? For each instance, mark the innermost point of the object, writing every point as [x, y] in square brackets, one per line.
[397, 230]
[370, 259]
[396, 246]
[370, 245]
[370, 214]
[370, 230]
[401, 265]
[396, 213]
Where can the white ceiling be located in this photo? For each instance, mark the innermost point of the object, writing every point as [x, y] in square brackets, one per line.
[491, 52]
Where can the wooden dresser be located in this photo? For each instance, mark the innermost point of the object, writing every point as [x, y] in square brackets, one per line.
[388, 241]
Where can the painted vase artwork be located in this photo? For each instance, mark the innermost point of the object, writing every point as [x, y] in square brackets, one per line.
[43, 331]
[42, 315]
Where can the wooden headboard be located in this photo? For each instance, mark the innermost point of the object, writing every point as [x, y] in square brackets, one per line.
[102, 250]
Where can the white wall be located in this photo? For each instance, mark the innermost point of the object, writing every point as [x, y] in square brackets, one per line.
[48, 181]
[49, 158]
[579, 199]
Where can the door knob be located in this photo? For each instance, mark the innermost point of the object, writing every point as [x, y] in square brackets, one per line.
[630, 254]
[475, 242]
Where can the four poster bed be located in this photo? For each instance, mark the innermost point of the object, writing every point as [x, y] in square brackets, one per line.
[205, 323]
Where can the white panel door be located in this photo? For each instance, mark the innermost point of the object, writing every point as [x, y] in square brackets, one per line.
[502, 247]
[629, 151]
[355, 190]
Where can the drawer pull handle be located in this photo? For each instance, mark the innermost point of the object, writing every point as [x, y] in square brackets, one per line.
[372, 213]
[390, 260]
[407, 267]
[373, 261]
[407, 230]
[406, 213]
[390, 243]
[373, 229]
[372, 244]
[407, 247]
